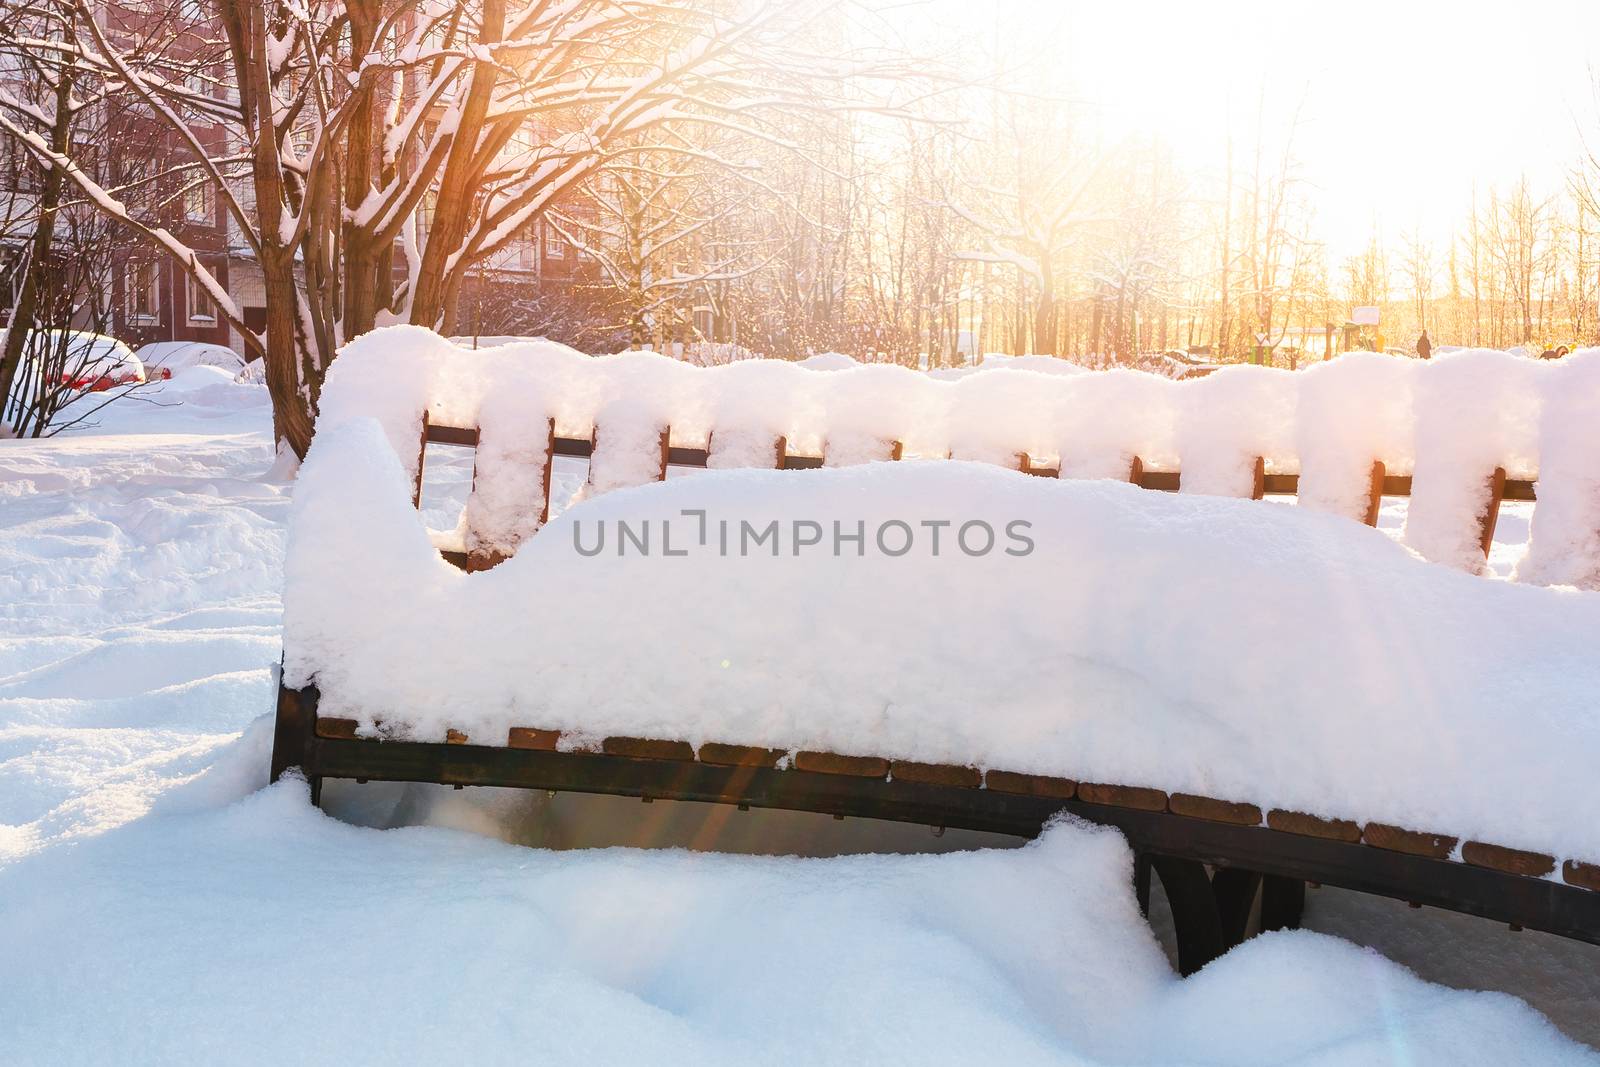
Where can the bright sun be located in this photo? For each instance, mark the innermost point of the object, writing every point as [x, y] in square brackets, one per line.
[1402, 107]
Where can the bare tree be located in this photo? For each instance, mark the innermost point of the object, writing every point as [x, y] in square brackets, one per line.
[60, 281]
[1135, 256]
[1519, 246]
[377, 152]
[46, 115]
[1418, 266]
[669, 231]
[1030, 201]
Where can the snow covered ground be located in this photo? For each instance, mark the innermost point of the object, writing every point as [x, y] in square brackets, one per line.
[156, 904]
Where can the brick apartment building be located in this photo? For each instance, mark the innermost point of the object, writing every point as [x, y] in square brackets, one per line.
[148, 298]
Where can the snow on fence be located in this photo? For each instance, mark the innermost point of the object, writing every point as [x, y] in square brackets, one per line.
[1457, 434]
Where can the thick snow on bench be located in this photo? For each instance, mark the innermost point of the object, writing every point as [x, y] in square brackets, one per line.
[1245, 651]
[1450, 421]
[1566, 525]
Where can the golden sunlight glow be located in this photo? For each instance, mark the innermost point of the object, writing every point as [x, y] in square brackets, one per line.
[1403, 106]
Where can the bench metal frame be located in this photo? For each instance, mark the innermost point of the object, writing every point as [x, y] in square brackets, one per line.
[1213, 872]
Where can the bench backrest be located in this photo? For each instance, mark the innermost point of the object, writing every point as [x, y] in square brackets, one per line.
[1457, 436]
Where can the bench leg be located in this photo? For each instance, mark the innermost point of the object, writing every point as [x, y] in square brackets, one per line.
[1235, 890]
[1195, 916]
[1141, 882]
[292, 733]
[1283, 901]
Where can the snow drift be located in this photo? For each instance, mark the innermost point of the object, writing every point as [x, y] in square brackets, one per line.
[1020, 956]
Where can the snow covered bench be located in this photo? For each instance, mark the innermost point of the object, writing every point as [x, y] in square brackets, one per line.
[1143, 664]
[1455, 435]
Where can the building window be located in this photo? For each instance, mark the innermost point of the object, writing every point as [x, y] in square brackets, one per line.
[554, 246]
[143, 283]
[22, 174]
[430, 204]
[202, 309]
[10, 275]
[199, 204]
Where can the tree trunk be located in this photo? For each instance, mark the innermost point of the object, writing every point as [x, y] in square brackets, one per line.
[457, 187]
[44, 231]
[1119, 336]
[293, 417]
[1044, 319]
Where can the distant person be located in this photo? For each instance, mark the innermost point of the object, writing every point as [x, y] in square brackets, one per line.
[1424, 346]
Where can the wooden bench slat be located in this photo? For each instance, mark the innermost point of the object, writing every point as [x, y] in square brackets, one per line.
[1123, 796]
[1201, 807]
[1033, 785]
[645, 748]
[1278, 484]
[1417, 843]
[738, 755]
[464, 436]
[343, 729]
[1519, 489]
[1511, 860]
[574, 447]
[1298, 822]
[687, 457]
[1165, 481]
[1583, 875]
[936, 773]
[549, 470]
[422, 461]
[1026, 465]
[529, 737]
[833, 763]
[1375, 493]
[1491, 510]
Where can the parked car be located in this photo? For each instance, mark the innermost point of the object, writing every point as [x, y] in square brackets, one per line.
[163, 359]
[93, 360]
[96, 362]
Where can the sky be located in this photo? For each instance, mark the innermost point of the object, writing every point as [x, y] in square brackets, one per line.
[1404, 105]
